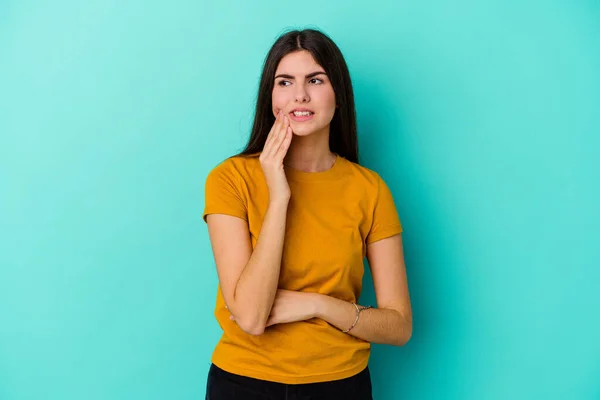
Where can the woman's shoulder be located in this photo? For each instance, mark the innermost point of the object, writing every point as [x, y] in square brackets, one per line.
[361, 174]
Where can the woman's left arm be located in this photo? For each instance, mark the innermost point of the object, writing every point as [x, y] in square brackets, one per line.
[391, 322]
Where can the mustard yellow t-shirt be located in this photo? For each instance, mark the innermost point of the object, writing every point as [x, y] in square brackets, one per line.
[332, 216]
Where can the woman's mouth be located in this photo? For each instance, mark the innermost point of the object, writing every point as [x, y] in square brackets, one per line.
[301, 115]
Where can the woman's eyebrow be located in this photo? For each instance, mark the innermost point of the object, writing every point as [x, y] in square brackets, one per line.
[312, 74]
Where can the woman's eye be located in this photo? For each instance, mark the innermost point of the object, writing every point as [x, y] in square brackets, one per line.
[316, 81]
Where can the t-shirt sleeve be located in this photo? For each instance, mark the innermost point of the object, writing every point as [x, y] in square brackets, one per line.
[386, 222]
[222, 193]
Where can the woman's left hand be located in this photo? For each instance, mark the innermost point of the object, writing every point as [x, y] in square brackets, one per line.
[291, 306]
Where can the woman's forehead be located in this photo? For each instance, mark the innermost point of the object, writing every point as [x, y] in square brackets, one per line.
[298, 63]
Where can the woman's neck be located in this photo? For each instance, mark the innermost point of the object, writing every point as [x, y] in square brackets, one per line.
[310, 154]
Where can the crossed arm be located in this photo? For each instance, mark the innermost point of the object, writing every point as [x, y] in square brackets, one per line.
[389, 323]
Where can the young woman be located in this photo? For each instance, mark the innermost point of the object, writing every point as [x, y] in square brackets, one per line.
[290, 220]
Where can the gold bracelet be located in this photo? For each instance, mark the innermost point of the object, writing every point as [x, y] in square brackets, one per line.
[358, 310]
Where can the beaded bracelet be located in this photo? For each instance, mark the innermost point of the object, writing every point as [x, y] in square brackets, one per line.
[358, 310]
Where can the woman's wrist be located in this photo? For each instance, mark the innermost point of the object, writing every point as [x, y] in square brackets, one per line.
[317, 305]
[339, 313]
[279, 202]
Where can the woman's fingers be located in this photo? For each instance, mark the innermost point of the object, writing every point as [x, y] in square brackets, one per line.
[279, 136]
[285, 143]
[271, 160]
[274, 129]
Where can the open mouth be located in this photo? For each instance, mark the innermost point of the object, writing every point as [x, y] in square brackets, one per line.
[301, 115]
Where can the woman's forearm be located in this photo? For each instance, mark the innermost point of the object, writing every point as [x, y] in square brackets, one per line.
[257, 285]
[376, 325]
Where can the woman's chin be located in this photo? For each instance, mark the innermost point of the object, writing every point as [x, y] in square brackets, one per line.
[303, 131]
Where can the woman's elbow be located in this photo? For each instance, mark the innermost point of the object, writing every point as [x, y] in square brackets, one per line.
[251, 326]
[403, 337]
[254, 330]
[245, 320]
[405, 332]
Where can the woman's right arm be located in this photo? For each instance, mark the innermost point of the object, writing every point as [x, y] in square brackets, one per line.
[249, 278]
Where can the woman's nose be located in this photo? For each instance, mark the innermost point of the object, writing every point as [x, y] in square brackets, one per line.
[301, 94]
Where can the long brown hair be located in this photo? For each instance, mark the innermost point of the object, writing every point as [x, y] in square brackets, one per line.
[342, 137]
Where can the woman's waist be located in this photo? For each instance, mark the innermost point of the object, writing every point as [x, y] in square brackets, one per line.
[293, 345]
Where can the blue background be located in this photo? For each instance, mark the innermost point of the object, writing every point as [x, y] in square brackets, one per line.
[482, 116]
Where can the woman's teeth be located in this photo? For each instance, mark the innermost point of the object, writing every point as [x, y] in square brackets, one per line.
[302, 113]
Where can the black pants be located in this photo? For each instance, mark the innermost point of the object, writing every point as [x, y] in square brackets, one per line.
[223, 385]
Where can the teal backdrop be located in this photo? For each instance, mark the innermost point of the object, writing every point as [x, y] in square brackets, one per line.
[482, 116]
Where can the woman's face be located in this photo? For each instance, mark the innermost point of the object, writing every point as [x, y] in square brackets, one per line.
[301, 85]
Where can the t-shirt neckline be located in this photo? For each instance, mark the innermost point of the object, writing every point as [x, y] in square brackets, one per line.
[327, 175]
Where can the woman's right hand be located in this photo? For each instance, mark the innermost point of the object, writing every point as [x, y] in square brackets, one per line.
[271, 158]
